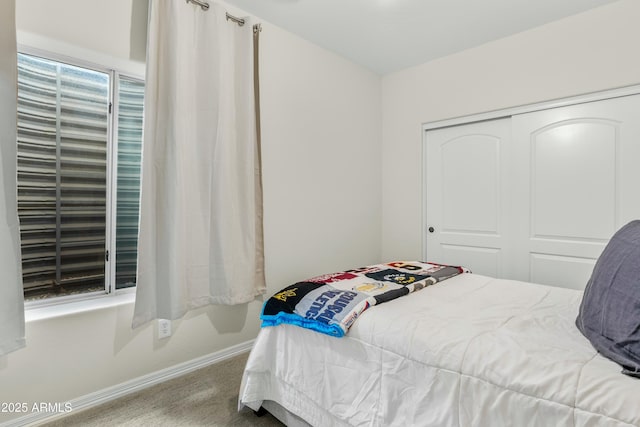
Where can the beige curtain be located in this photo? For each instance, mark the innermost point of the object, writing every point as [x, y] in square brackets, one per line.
[200, 236]
[11, 294]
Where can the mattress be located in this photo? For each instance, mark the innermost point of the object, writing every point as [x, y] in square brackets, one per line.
[470, 351]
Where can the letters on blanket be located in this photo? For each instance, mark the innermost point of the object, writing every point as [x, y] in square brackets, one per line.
[331, 303]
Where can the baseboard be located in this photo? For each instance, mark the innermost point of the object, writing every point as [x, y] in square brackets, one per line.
[111, 393]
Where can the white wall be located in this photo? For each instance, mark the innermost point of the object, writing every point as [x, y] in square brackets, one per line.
[114, 28]
[592, 51]
[321, 132]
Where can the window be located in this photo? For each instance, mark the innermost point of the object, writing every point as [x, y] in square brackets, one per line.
[65, 199]
[130, 103]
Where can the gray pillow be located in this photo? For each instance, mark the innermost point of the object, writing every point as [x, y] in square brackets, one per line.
[610, 309]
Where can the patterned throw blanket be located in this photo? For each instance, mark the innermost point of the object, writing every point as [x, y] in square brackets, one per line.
[331, 303]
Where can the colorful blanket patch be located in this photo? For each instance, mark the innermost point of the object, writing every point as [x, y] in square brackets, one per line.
[332, 302]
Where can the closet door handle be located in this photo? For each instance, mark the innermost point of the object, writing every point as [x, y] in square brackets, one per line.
[431, 229]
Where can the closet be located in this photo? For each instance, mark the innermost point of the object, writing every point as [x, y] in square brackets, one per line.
[533, 196]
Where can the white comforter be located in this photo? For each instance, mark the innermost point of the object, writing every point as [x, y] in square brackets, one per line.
[470, 351]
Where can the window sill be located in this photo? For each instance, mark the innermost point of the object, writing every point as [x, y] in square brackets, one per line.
[55, 309]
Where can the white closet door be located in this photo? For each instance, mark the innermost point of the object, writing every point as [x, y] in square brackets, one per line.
[578, 175]
[467, 216]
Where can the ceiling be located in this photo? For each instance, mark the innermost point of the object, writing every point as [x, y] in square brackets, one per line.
[389, 35]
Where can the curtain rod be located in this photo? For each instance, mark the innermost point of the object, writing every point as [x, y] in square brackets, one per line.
[238, 21]
[205, 6]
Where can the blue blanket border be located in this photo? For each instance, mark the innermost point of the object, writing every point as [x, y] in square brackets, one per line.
[295, 319]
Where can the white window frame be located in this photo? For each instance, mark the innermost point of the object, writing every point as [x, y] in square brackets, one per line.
[112, 196]
[68, 304]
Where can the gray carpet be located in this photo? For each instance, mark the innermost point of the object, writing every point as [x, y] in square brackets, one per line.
[206, 397]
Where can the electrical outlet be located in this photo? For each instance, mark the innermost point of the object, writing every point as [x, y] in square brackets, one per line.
[164, 328]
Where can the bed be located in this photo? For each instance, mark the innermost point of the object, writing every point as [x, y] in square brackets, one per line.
[469, 351]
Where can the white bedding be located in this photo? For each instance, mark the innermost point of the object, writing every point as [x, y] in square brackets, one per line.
[470, 351]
